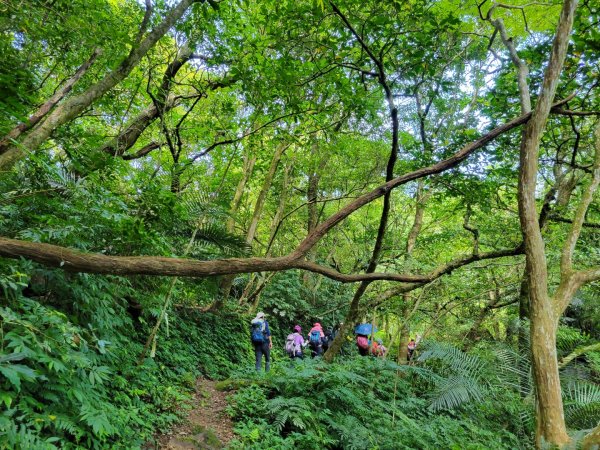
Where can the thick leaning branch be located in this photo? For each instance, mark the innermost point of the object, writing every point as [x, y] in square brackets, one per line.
[446, 269]
[43, 110]
[68, 259]
[433, 169]
[77, 261]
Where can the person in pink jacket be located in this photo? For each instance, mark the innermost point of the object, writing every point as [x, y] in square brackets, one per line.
[295, 343]
[315, 339]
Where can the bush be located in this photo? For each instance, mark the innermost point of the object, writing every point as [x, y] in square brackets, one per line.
[354, 404]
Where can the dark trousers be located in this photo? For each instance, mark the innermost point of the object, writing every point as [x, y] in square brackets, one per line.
[260, 349]
[316, 350]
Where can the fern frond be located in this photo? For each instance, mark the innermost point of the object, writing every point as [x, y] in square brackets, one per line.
[455, 391]
[199, 205]
[213, 235]
[456, 360]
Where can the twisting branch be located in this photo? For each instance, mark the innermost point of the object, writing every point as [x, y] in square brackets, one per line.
[567, 112]
[522, 69]
[474, 231]
[554, 218]
[389, 175]
[146, 149]
[145, 21]
[73, 260]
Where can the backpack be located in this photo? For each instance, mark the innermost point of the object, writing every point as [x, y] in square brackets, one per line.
[257, 335]
[290, 345]
[362, 342]
[315, 338]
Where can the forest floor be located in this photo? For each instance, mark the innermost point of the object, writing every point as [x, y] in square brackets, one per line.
[207, 425]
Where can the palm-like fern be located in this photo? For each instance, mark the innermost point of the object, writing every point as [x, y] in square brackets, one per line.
[461, 377]
[514, 370]
[582, 404]
[454, 391]
[212, 235]
[203, 213]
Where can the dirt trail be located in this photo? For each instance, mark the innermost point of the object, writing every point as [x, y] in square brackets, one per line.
[207, 426]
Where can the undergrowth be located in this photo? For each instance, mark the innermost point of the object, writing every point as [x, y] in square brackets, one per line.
[70, 378]
[362, 403]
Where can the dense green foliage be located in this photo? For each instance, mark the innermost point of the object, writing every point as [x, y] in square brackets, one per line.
[365, 403]
[235, 129]
[71, 380]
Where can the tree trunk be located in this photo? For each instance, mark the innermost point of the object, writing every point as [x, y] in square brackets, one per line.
[421, 198]
[550, 420]
[262, 196]
[550, 424]
[348, 325]
[313, 212]
[249, 161]
[312, 196]
[523, 343]
[274, 227]
[471, 336]
[403, 344]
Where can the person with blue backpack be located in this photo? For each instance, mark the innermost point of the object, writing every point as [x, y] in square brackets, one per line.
[315, 340]
[261, 340]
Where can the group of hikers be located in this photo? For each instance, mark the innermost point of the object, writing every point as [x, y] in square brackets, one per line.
[317, 340]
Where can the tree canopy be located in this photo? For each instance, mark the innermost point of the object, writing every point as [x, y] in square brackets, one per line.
[428, 165]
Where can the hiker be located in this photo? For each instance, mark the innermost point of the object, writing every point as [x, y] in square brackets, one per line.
[315, 340]
[362, 343]
[362, 331]
[327, 339]
[294, 343]
[411, 348]
[378, 349]
[261, 339]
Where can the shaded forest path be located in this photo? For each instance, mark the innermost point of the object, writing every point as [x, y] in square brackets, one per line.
[207, 426]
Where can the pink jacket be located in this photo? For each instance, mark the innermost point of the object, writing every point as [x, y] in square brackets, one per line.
[318, 328]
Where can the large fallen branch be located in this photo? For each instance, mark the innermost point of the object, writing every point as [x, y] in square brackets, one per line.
[77, 261]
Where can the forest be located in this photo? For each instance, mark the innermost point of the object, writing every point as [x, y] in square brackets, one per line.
[177, 174]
